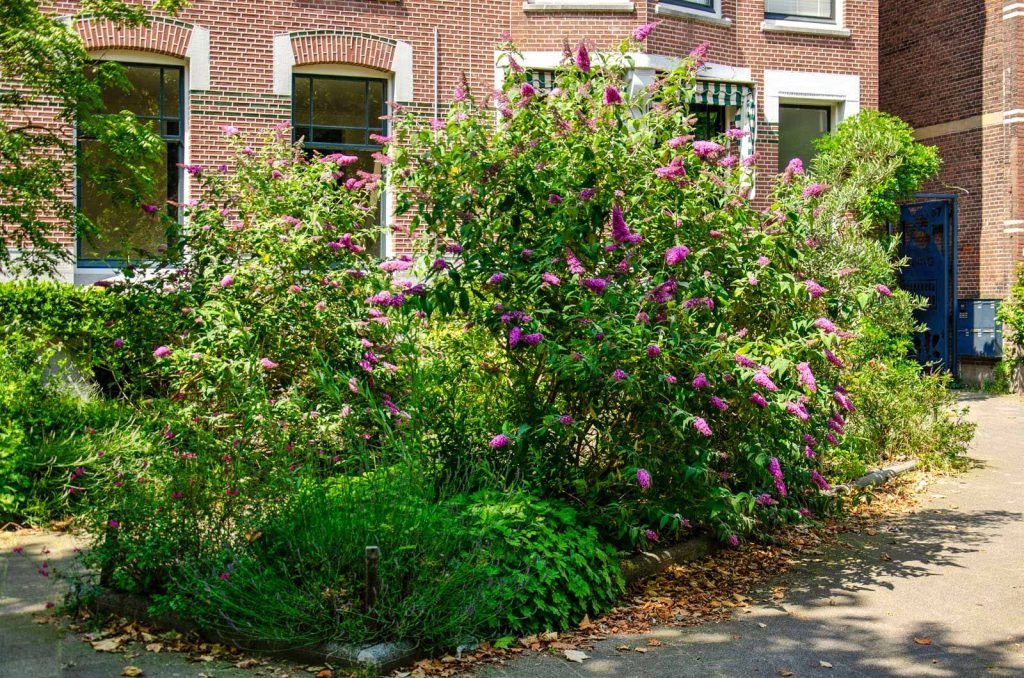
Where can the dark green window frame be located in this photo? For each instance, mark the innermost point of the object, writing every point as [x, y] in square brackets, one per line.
[699, 5]
[372, 124]
[786, 16]
[171, 128]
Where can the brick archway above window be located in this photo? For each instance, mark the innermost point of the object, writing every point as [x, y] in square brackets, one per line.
[305, 48]
[342, 47]
[169, 37]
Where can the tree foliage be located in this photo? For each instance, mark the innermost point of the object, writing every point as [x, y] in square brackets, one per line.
[49, 88]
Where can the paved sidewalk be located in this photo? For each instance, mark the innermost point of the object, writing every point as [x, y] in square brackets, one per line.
[951, 575]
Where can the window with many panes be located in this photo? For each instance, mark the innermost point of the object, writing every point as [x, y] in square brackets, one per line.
[801, 10]
[333, 114]
[123, 232]
[799, 126]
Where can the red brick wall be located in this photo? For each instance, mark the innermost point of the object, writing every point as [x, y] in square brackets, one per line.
[242, 32]
[959, 62]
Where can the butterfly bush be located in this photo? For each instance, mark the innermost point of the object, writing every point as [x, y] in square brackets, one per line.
[278, 349]
[651, 242]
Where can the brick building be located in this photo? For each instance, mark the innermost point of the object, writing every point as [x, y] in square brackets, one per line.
[785, 70]
[953, 70]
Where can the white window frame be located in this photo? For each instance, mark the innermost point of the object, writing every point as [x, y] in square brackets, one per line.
[834, 29]
[711, 16]
[600, 6]
[386, 191]
[89, 275]
[839, 91]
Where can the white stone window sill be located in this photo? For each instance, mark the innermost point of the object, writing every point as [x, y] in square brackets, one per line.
[681, 12]
[804, 28]
[617, 6]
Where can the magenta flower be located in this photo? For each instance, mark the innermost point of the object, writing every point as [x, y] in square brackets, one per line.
[676, 255]
[761, 379]
[671, 379]
[267, 363]
[836, 426]
[227, 280]
[515, 335]
[825, 325]
[496, 279]
[734, 133]
[550, 278]
[766, 500]
[798, 411]
[113, 523]
[775, 468]
[806, 377]
[533, 339]
[707, 150]
[587, 194]
[620, 231]
[150, 209]
[611, 96]
[795, 166]
[843, 401]
[527, 90]
[814, 288]
[643, 478]
[820, 481]
[814, 190]
[719, 404]
[640, 33]
[733, 540]
[500, 441]
[831, 438]
[118, 343]
[653, 351]
[439, 264]
[555, 199]
[700, 381]
[583, 58]
[834, 359]
[619, 375]
[651, 535]
[676, 142]
[702, 427]
[883, 290]
[758, 400]
[673, 170]
[809, 452]
[161, 352]
[597, 285]
[809, 439]
[744, 361]
[230, 130]
[565, 420]
[573, 262]
[396, 265]
[763, 261]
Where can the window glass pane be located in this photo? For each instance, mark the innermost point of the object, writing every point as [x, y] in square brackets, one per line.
[815, 9]
[300, 115]
[327, 135]
[339, 102]
[172, 93]
[798, 128]
[710, 120]
[699, 4]
[124, 231]
[375, 103]
[144, 97]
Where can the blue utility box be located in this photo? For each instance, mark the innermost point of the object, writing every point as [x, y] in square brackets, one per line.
[978, 333]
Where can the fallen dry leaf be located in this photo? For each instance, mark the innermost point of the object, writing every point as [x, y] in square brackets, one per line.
[247, 664]
[785, 673]
[108, 645]
[586, 623]
[131, 671]
[324, 673]
[824, 664]
[641, 650]
[653, 642]
[575, 656]
[154, 647]
[923, 641]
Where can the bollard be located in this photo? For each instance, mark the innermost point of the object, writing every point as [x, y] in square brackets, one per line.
[372, 578]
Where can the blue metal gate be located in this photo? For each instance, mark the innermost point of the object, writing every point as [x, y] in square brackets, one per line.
[928, 240]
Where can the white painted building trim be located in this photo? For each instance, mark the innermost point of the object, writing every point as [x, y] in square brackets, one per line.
[714, 18]
[609, 6]
[832, 29]
[198, 55]
[842, 92]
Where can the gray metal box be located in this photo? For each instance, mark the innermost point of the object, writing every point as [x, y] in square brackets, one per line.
[978, 333]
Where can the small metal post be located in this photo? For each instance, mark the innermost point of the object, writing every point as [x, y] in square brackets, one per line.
[372, 578]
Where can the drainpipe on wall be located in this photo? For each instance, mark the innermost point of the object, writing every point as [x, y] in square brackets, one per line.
[437, 68]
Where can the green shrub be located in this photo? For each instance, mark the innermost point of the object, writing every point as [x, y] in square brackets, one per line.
[1011, 314]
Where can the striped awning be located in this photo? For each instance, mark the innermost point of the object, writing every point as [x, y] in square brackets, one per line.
[742, 97]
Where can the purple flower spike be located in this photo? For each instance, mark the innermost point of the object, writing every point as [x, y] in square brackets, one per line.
[883, 290]
[643, 478]
[719, 404]
[583, 58]
[640, 33]
[700, 381]
[533, 339]
[611, 96]
[619, 375]
[733, 540]
[814, 190]
[702, 427]
[161, 352]
[820, 481]
[806, 377]
[500, 441]
[653, 351]
[595, 284]
[814, 288]
[758, 400]
[515, 335]
[676, 255]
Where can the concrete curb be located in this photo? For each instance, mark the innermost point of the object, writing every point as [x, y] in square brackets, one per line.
[652, 562]
[878, 477]
[379, 657]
